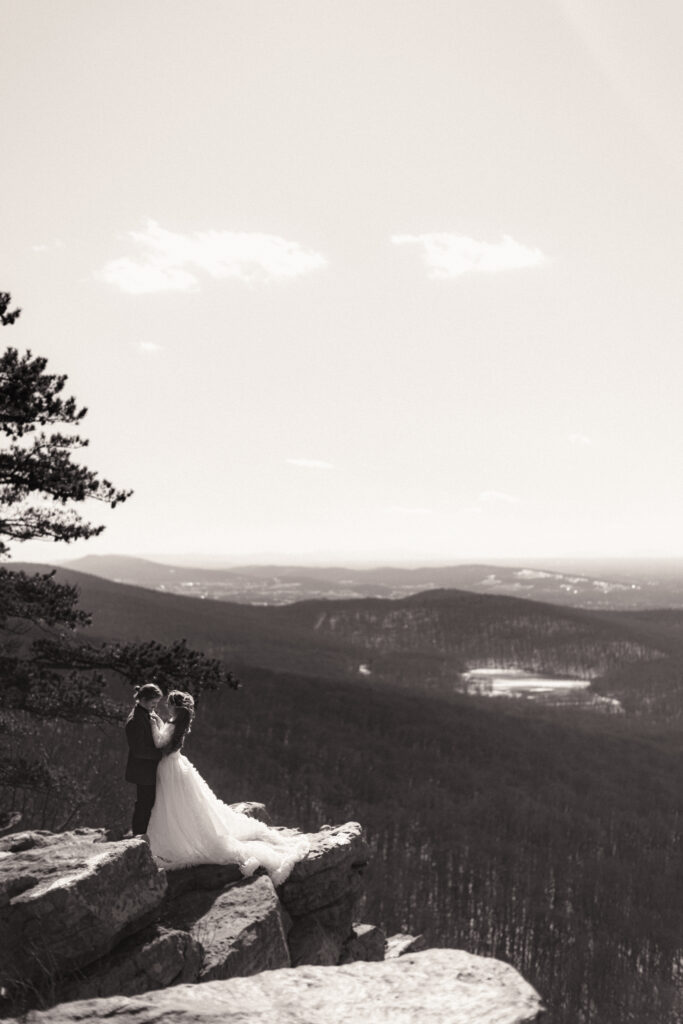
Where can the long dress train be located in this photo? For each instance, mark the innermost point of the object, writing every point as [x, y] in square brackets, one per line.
[190, 825]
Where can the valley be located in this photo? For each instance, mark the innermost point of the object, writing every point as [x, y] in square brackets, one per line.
[424, 643]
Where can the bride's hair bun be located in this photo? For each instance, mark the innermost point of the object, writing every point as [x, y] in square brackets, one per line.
[180, 699]
[183, 705]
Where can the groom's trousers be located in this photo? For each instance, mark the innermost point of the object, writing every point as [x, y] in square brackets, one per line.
[144, 803]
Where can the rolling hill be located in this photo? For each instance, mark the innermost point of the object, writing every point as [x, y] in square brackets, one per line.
[422, 642]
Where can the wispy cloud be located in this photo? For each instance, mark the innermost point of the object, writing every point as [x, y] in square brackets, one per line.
[56, 243]
[139, 278]
[411, 510]
[449, 255]
[171, 261]
[309, 463]
[150, 347]
[498, 498]
[580, 440]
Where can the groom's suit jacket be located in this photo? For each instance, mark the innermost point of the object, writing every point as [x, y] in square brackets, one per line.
[143, 756]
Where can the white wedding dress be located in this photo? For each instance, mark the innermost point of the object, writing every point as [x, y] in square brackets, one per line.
[190, 825]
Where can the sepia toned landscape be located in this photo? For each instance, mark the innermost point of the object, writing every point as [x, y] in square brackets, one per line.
[341, 557]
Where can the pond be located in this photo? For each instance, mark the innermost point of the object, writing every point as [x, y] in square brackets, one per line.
[508, 681]
[514, 682]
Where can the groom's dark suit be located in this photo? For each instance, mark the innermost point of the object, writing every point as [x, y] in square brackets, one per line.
[141, 767]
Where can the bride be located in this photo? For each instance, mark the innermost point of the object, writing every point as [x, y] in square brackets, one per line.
[190, 825]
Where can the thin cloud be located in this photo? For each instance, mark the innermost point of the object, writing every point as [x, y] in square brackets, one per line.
[309, 463]
[171, 261]
[140, 278]
[498, 498]
[150, 347]
[452, 255]
[580, 440]
[47, 246]
[411, 510]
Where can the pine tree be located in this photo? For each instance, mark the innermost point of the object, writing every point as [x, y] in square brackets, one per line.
[49, 671]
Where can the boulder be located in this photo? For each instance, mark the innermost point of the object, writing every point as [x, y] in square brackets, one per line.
[401, 943]
[332, 850]
[240, 928]
[46, 855]
[66, 899]
[367, 942]
[154, 958]
[441, 986]
[325, 887]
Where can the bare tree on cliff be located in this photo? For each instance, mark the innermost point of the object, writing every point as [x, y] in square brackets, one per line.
[48, 669]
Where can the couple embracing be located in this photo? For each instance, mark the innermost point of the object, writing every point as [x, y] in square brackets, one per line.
[183, 819]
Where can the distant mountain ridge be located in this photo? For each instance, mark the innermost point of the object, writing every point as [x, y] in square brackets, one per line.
[630, 588]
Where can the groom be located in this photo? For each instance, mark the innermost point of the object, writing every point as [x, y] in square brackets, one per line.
[143, 756]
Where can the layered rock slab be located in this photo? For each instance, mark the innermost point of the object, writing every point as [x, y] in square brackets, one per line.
[66, 899]
[322, 891]
[240, 929]
[333, 867]
[154, 958]
[441, 986]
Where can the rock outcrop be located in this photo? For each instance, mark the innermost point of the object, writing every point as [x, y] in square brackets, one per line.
[81, 915]
[154, 958]
[241, 928]
[90, 928]
[322, 893]
[67, 899]
[441, 986]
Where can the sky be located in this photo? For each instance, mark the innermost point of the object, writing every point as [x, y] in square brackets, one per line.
[356, 280]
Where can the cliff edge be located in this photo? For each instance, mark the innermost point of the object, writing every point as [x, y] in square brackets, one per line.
[90, 928]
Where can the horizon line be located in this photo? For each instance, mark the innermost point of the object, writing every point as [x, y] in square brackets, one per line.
[278, 560]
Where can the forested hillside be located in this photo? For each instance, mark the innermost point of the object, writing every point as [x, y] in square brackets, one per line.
[423, 642]
[446, 630]
[551, 842]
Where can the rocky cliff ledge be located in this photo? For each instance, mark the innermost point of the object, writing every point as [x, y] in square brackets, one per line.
[90, 928]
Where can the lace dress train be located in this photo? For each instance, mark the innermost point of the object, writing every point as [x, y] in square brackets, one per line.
[190, 825]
